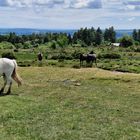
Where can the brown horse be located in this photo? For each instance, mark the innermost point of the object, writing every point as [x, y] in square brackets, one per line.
[89, 58]
[40, 56]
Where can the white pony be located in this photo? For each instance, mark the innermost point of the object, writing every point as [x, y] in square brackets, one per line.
[8, 71]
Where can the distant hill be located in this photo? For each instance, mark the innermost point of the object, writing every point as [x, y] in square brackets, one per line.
[26, 31]
[120, 33]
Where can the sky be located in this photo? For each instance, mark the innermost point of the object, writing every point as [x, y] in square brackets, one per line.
[70, 14]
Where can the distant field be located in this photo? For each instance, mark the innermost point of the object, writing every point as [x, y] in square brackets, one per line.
[71, 104]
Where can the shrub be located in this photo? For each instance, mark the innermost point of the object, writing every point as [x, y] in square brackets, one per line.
[19, 45]
[137, 43]
[27, 45]
[9, 55]
[137, 49]
[76, 54]
[126, 41]
[24, 63]
[109, 56]
[53, 45]
[54, 57]
[6, 45]
[46, 56]
[62, 56]
[15, 50]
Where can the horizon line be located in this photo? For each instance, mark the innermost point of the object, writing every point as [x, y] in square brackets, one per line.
[65, 28]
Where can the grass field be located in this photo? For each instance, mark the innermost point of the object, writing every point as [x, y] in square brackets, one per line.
[71, 104]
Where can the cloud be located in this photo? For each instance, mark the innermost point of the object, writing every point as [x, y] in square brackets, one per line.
[76, 4]
[30, 3]
[95, 4]
[92, 4]
[70, 13]
[132, 4]
[131, 19]
[48, 3]
[16, 3]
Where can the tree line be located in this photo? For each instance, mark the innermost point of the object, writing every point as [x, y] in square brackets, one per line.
[84, 37]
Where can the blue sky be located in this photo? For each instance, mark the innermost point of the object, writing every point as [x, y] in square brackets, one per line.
[70, 14]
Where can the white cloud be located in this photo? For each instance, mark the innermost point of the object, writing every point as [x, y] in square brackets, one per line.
[93, 4]
[52, 3]
[69, 13]
[30, 3]
[76, 4]
[131, 19]
[130, 7]
[16, 3]
[132, 4]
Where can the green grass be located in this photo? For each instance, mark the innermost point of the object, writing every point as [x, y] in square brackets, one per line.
[71, 104]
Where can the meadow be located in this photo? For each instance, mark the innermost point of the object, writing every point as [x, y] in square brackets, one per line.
[71, 104]
[61, 101]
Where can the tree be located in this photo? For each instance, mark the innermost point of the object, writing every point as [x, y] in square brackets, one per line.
[135, 35]
[126, 41]
[12, 38]
[138, 35]
[110, 35]
[106, 37]
[98, 36]
[75, 37]
[69, 39]
[62, 40]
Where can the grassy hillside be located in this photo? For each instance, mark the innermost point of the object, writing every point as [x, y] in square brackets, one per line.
[68, 104]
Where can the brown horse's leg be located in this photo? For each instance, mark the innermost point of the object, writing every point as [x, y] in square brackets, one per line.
[91, 63]
[95, 62]
[80, 63]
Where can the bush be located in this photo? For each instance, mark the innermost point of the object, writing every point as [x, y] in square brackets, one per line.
[62, 56]
[19, 45]
[53, 45]
[137, 49]
[109, 56]
[15, 50]
[46, 56]
[76, 54]
[126, 41]
[54, 57]
[6, 45]
[137, 43]
[9, 55]
[24, 63]
[27, 45]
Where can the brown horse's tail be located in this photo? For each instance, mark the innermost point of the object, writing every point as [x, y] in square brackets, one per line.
[15, 76]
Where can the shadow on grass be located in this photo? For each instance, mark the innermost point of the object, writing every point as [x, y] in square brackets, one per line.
[4, 94]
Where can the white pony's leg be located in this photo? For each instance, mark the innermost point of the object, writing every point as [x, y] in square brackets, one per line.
[5, 81]
[9, 82]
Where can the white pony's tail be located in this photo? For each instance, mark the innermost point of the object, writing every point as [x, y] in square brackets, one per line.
[15, 76]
